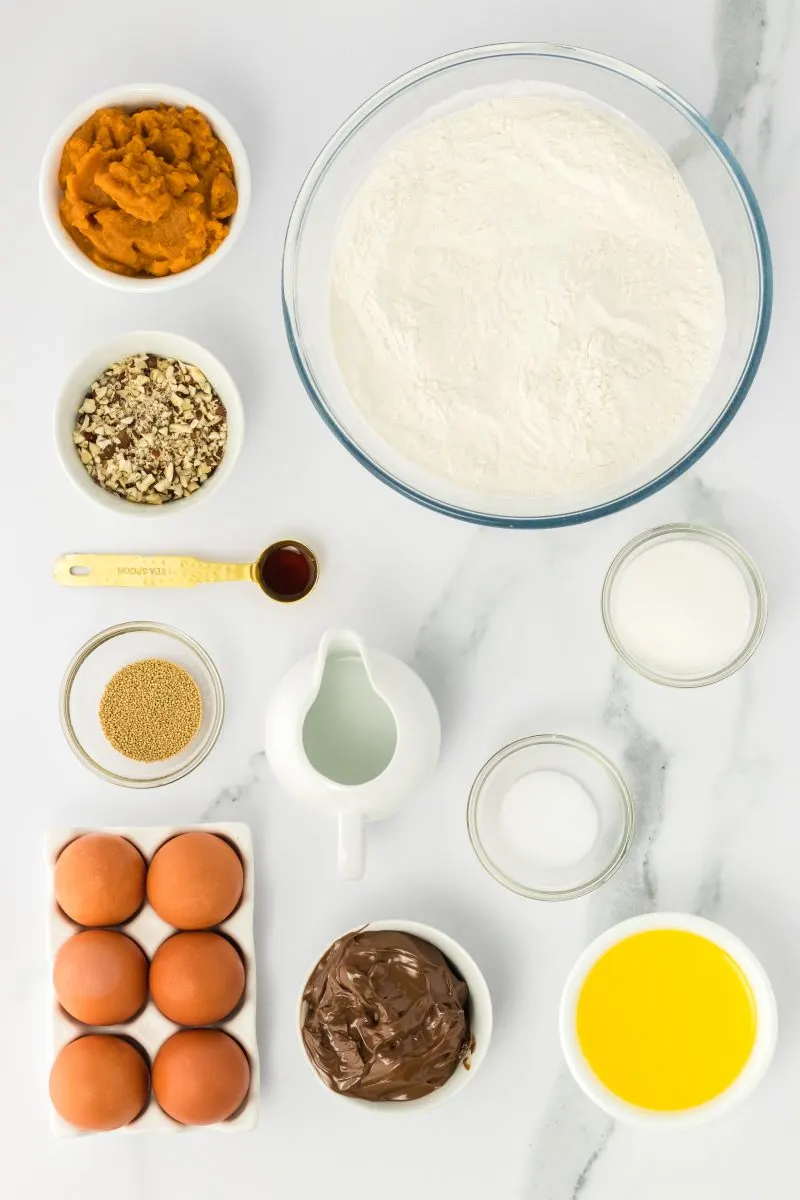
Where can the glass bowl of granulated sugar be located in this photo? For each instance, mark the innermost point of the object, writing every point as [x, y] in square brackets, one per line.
[526, 285]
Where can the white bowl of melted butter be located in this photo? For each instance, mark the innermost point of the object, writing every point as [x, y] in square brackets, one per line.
[668, 1020]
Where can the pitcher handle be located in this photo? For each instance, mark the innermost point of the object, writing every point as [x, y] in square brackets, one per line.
[351, 845]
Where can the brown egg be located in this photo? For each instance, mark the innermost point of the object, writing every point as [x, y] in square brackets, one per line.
[195, 880]
[100, 879]
[100, 977]
[196, 978]
[99, 1082]
[201, 1076]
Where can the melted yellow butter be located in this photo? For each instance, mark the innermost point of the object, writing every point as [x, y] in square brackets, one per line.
[666, 1019]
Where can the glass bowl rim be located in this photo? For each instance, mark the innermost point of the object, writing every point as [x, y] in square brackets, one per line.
[620, 786]
[350, 126]
[81, 656]
[729, 546]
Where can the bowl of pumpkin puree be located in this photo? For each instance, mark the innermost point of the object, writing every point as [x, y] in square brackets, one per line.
[145, 187]
[668, 1019]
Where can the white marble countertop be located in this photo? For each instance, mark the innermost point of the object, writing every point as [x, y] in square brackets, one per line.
[504, 626]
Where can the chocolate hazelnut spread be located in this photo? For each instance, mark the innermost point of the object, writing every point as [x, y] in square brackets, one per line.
[386, 1017]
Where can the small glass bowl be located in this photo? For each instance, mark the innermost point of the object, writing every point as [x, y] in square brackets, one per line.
[598, 777]
[754, 581]
[86, 678]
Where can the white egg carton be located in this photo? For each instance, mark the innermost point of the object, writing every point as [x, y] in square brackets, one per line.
[151, 1028]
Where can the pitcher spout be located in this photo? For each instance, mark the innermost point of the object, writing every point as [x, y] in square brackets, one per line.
[340, 643]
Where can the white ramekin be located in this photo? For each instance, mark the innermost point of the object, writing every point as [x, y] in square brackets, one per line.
[754, 1069]
[169, 345]
[479, 1009]
[134, 96]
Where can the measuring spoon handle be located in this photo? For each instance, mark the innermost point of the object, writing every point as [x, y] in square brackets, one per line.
[136, 570]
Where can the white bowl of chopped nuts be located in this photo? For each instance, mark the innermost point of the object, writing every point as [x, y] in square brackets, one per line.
[149, 424]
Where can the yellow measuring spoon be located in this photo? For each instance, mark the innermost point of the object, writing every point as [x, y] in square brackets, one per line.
[285, 571]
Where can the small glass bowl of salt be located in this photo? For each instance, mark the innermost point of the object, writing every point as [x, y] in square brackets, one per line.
[550, 817]
[684, 605]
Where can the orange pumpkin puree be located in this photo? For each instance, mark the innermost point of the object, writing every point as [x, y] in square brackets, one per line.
[148, 193]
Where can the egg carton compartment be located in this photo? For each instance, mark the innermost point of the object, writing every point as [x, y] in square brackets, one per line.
[150, 1028]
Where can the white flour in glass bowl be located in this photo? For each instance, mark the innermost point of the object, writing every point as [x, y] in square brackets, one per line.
[524, 299]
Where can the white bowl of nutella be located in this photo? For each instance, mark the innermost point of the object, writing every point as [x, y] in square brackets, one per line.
[446, 1052]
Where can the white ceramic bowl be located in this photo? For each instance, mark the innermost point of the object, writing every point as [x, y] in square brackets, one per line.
[135, 96]
[479, 1010]
[753, 1070]
[169, 345]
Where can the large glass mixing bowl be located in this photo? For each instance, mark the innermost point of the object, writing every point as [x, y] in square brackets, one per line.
[715, 180]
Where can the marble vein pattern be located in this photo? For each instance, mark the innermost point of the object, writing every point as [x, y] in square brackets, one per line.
[750, 42]
[573, 1133]
[471, 600]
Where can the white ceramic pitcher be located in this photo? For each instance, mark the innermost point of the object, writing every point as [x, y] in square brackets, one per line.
[350, 732]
